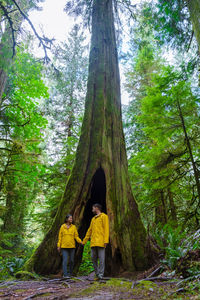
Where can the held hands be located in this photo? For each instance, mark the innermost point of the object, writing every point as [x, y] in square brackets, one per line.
[82, 243]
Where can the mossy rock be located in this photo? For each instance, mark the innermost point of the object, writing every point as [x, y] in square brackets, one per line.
[25, 275]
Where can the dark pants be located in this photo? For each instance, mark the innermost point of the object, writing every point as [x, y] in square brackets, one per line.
[68, 260]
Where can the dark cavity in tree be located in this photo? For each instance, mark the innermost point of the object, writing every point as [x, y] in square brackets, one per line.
[96, 194]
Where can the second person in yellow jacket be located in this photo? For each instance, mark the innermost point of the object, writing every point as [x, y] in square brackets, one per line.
[68, 234]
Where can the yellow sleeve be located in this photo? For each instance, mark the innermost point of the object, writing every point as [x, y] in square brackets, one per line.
[59, 237]
[106, 229]
[76, 236]
[88, 234]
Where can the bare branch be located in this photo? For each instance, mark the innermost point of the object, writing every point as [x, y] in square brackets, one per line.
[43, 40]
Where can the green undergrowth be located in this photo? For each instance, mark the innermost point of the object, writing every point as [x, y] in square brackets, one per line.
[25, 275]
[86, 266]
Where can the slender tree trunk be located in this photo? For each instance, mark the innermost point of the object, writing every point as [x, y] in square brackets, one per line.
[194, 9]
[172, 207]
[100, 172]
[195, 170]
[69, 127]
[3, 78]
[160, 211]
[13, 219]
[6, 45]
[5, 60]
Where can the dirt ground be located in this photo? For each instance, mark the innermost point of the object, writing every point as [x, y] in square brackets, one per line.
[86, 288]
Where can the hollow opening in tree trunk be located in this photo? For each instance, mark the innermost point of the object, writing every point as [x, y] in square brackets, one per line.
[97, 194]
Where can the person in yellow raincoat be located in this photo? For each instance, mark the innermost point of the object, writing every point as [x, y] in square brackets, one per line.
[98, 233]
[66, 244]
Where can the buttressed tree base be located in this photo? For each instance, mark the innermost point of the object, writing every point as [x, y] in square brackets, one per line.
[100, 172]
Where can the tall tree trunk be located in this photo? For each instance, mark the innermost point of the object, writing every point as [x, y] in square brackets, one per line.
[5, 60]
[160, 210]
[100, 172]
[194, 9]
[172, 207]
[13, 219]
[3, 78]
[6, 45]
[195, 170]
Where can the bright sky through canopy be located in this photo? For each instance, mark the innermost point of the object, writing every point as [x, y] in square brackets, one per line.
[55, 23]
[52, 19]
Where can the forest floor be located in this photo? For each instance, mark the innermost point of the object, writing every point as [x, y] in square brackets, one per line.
[82, 288]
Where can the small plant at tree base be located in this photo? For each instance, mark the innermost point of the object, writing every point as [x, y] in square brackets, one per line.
[86, 266]
[170, 240]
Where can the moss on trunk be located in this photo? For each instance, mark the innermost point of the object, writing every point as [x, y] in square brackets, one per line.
[100, 172]
[194, 9]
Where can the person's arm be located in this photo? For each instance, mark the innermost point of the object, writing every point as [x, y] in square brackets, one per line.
[76, 236]
[106, 230]
[59, 239]
[88, 234]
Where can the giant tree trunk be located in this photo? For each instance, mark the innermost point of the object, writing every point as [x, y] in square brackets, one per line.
[194, 9]
[100, 172]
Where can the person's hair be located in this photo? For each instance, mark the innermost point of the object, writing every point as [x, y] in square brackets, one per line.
[99, 206]
[67, 217]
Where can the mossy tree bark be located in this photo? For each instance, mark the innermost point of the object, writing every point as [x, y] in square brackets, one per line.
[100, 172]
[194, 9]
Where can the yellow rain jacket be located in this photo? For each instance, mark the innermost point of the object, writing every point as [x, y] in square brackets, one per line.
[98, 231]
[67, 237]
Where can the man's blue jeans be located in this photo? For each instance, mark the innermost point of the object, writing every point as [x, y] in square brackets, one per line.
[68, 260]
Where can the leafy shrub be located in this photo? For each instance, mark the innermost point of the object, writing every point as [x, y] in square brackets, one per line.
[170, 240]
[10, 265]
[192, 242]
[175, 244]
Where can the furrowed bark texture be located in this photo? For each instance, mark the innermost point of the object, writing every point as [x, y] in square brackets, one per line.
[100, 172]
[194, 9]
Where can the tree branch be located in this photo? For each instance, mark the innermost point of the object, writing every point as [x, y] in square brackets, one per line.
[43, 40]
